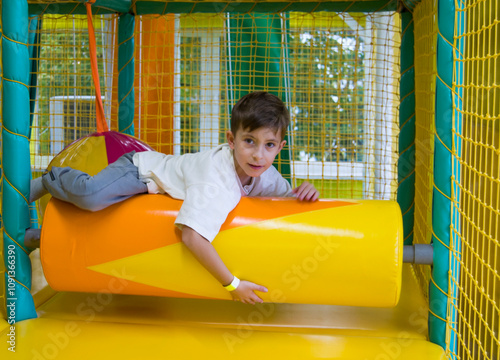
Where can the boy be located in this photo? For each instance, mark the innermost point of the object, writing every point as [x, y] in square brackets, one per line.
[211, 182]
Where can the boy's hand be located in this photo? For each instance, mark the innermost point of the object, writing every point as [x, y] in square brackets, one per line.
[306, 192]
[245, 292]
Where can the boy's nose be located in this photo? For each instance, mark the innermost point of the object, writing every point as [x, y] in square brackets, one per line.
[257, 155]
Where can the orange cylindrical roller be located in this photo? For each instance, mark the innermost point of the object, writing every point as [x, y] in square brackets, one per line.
[325, 252]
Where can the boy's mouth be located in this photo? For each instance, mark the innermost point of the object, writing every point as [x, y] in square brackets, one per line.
[256, 167]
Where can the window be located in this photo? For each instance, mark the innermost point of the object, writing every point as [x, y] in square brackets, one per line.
[327, 78]
[342, 69]
[65, 100]
[199, 118]
[71, 117]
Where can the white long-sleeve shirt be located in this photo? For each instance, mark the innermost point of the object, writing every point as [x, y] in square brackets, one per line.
[208, 184]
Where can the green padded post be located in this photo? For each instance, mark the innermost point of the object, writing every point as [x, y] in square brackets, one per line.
[446, 170]
[406, 163]
[255, 41]
[126, 98]
[16, 159]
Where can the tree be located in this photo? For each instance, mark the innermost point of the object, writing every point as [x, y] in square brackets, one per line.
[327, 76]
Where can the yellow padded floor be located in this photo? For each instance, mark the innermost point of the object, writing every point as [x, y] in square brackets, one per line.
[103, 326]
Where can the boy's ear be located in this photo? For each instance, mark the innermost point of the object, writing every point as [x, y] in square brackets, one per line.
[230, 139]
[283, 143]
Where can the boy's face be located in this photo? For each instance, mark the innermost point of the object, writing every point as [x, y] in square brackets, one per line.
[254, 151]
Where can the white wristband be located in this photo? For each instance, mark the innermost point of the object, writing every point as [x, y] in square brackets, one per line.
[234, 284]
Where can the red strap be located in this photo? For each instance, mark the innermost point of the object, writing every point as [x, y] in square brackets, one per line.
[99, 108]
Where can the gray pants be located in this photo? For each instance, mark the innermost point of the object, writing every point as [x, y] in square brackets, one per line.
[116, 182]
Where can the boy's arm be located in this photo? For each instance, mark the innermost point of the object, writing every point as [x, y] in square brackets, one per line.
[206, 254]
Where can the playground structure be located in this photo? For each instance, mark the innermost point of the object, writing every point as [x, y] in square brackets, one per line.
[403, 97]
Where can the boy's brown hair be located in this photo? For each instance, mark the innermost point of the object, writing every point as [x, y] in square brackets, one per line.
[260, 109]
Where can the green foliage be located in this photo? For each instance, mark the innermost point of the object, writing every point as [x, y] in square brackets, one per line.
[327, 76]
[64, 69]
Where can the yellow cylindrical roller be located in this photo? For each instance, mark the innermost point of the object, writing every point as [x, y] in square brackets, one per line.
[328, 252]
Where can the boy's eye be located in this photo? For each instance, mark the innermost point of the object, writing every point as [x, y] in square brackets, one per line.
[271, 145]
[248, 141]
